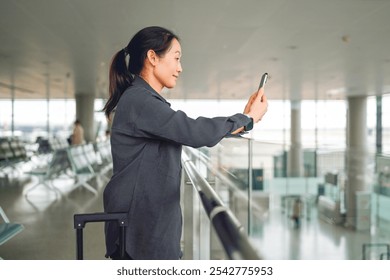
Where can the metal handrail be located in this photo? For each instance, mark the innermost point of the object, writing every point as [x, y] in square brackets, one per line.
[229, 230]
[228, 182]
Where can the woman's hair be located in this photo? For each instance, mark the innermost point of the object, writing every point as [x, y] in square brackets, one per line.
[121, 77]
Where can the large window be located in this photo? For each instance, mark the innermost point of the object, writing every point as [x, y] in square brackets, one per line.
[329, 117]
[323, 122]
[33, 118]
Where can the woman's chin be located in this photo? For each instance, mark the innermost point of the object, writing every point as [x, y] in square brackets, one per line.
[171, 85]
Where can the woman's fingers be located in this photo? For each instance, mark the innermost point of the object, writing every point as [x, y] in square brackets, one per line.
[252, 98]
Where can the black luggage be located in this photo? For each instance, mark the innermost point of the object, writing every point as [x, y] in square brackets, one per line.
[81, 219]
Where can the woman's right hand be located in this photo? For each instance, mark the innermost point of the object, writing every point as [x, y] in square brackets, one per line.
[257, 105]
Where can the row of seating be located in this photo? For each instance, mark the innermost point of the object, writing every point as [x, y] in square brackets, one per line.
[12, 153]
[52, 144]
[82, 163]
[56, 165]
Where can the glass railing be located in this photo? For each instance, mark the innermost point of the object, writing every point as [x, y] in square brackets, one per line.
[251, 179]
[381, 192]
[211, 230]
[251, 176]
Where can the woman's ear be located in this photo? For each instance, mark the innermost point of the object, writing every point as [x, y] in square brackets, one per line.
[152, 57]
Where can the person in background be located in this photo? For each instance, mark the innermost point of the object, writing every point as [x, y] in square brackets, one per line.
[146, 144]
[78, 133]
[107, 134]
[297, 212]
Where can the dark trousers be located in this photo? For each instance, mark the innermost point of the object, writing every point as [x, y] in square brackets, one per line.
[296, 221]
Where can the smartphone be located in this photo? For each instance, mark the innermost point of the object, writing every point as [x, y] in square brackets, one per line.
[263, 80]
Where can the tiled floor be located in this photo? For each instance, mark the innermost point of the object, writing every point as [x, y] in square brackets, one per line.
[49, 232]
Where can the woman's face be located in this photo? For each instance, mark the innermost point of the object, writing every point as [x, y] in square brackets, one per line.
[168, 67]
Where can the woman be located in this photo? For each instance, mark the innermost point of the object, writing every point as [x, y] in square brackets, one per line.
[146, 143]
[78, 134]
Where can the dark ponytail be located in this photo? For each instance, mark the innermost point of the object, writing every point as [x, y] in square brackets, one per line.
[153, 38]
[120, 80]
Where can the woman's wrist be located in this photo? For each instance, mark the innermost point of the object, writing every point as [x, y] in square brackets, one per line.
[241, 129]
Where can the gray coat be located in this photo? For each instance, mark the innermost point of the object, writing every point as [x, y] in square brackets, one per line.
[146, 143]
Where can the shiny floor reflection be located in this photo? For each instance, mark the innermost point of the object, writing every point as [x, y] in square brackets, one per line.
[277, 238]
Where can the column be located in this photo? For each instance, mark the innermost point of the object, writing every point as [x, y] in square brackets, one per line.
[295, 157]
[48, 104]
[12, 109]
[379, 124]
[85, 113]
[356, 187]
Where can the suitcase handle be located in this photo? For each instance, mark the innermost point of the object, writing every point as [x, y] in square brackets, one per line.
[81, 219]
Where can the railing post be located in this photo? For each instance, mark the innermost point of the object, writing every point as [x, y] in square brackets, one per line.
[204, 233]
[250, 183]
[190, 240]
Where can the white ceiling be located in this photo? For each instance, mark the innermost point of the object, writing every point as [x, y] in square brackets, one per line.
[311, 48]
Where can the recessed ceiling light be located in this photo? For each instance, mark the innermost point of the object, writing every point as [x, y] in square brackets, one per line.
[336, 91]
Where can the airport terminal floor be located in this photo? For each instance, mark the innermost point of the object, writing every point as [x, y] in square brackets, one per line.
[49, 234]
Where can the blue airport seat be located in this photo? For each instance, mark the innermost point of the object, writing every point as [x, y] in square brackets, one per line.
[7, 229]
[58, 165]
[95, 160]
[81, 168]
[12, 153]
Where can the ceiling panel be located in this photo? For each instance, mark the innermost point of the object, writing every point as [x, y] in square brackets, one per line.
[311, 48]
